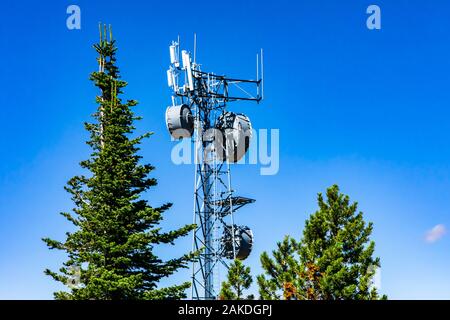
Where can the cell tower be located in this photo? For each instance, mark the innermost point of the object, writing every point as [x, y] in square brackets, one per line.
[220, 137]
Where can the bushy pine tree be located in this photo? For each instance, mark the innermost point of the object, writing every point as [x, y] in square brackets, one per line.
[238, 280]
[333, 260]
[112, 248]
[280, 271]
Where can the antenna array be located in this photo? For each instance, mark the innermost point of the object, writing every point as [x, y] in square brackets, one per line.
[221, 137]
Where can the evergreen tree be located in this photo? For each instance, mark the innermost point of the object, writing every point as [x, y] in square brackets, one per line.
[238, 280]
[116, 230]
[280, 277]
[333, 260]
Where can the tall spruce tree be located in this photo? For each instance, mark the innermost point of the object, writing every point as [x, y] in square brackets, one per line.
[333, 260]
[238, 280]
[112, 248]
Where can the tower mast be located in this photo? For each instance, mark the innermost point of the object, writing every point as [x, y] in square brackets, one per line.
[220, 137]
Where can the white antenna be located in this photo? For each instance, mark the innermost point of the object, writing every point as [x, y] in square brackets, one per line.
[169, 78]
[257, 74]
[195, 49]
[173, 53]
[178, 51]
[187, 66]
[262, 75]
[173, 71]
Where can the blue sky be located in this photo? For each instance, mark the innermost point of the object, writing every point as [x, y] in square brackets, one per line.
[365, 109]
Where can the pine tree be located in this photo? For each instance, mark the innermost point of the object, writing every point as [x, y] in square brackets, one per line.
[336, 244]
[280, 278]
[238, 279]
[333, 260]
[116, 229]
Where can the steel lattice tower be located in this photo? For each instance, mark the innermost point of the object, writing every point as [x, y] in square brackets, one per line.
[220, 138]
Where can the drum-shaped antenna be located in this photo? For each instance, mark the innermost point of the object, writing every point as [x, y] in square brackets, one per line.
[246, 243]
[243, 239]
[179, 121]
[236, 134]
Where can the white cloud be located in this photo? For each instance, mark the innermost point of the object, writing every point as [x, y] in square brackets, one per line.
[435, 234]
